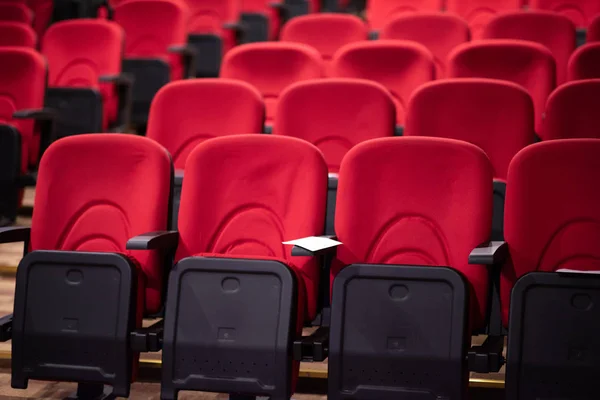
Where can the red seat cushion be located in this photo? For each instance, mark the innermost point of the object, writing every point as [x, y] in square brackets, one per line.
[400, 66]
[335, 115]
[502, 125]
[184, 114]
[95, 191]
[552, 218]
[478, 13]
[528, 64]
[379, 12]
[439, 32]
[246, 194]
[17, 34]
[552, 30]
[593, 33]
[16, 12]
[271, 67]
[585, 62]
[416, 201]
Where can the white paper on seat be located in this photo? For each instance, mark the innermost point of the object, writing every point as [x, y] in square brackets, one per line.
[314, 243]
[574, 271]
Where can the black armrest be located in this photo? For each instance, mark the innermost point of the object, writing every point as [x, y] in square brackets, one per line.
[6, 328]
[279, 6]
[189, 57]
[298, 251]
[233, 26]
[123, 83]
[120, 79]
[39, 114]
[314, 347]
[487, 357]
[492, 253]
[163, 240]
[12, 234]
[148, 339]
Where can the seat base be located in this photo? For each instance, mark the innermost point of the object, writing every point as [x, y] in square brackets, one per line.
[256, 27]
[229, 327]
[149, 76]
[79, 110]
[398, 332]
[553, 345]
[210, 49]
[72, 318]
[91, 392]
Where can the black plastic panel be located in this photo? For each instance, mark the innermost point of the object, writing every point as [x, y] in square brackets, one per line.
[149, 76]
[331, 200]
[398, 332]
[209, 49]
[78, 110]
[554, 338]
[10, 169]
[72, 317]
[498, 211]
[256, 27]
[296, 8]
[229, 327]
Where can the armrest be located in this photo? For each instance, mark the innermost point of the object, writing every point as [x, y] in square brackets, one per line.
[14, 234]
[6, 328]
[233, 26]
[492, 253]
[147, 339]
[314, 246]
[163, 240]
[188, 54]
[314, 347]
[279, 6]
[120, 79]
[40, 114]
[123, 84]
[181, 49]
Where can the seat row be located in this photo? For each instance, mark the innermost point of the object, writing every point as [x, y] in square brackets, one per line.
[34, 13]
[413, 272]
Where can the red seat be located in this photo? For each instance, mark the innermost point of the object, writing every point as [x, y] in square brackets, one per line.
[400, 66]
[271, 67]
[79, 52]
[433, 206]
[529, 64]
[439, 32]
[585, 62]
[100, 216]
[580, 12]
[186, 113]
[553, 30]
[379, 12]
[502, 125]
[265, 190]
[593, 33]
[42, 10]
[325, 32]
[572, 111]
[552, 213]
[17, 34]
[16, 12]
[335, 115]
[22, 86]
[212, 17]
[478, 13]
[151, 27]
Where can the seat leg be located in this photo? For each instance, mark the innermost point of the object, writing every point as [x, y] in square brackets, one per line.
[92, 391]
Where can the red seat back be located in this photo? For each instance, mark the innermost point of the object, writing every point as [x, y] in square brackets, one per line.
[580, 12]
[379, 12]
[439, 32]
[529, 64]
[22, 86]
[42, 10]
[585, 62]
[416, 201]
[478, 13]
[593, 33]
[271, 67]
[123, 190]
[335, 115]
[79, 51]
[244, 195]
[186, 113]
[208, 16]
[325, 32]
[551, 214]
[501, 126]
[17, 34]
[400, 66]
[553, 30]
[572, 111]
[16, 12]
[151, 26]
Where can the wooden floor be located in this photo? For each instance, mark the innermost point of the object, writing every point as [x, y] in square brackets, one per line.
[10, 255]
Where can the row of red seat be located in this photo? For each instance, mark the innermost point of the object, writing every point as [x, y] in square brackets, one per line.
[237, 297]
[34, 13]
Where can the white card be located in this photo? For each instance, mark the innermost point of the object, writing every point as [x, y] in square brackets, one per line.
[314, 243]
